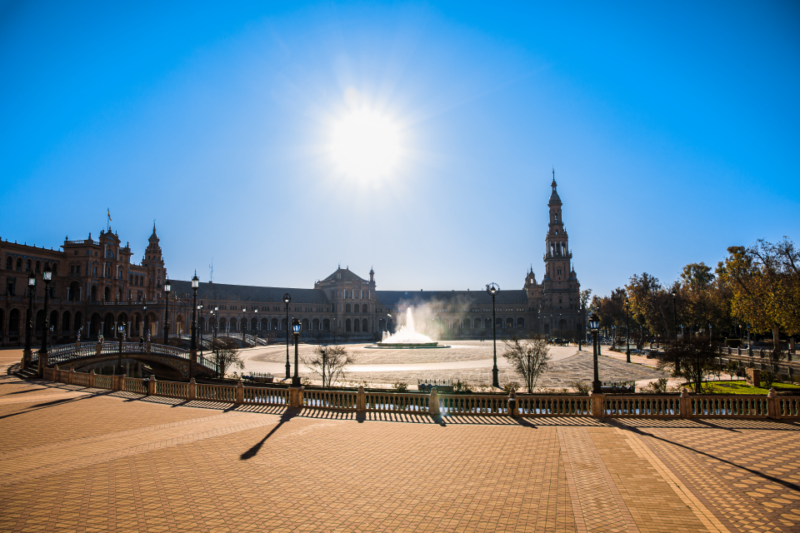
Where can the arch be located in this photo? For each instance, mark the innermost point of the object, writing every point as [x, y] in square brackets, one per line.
[499, 323]
[274, 324]
[94, 293]
[253, 324]
[74, 292]
[39, 323]
[520, 323]
[467, 323]
[14, 322]
[326, 324]
[315, 324]
[53, 321]
[304, 325]
[347, 325]
[234, 324]
[78, 321]
[223, 324]
[365, 325]
[487, 323]
[108, 325]
[562, 325]
[122, 319]
[19, 264]
[107, 294]
[202, 324]
[356, 326]
[9, 263]
[94, 326]
[382, 324]
[136, 330]
[510, 323]
[284, 324]
[347, 308]
[264, 324]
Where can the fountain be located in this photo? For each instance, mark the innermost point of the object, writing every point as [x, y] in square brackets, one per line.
[407, 337]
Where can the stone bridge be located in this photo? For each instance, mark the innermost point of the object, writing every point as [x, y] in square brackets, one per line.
[167, 361]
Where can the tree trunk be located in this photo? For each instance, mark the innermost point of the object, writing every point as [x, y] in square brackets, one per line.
[776, 338]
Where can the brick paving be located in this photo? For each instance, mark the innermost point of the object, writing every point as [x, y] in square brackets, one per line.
[73, 459]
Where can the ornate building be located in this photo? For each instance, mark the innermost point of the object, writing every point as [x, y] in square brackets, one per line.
[96, 288]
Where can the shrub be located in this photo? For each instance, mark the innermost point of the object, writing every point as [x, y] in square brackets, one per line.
[659, 385]
[581, 387]
[510, 387]
[400, 386]
[767, 378]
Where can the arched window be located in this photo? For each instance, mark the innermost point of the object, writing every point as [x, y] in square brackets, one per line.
[274, 324]
[520, 323]
[510, 323]
[9, 263]
[304, 325]
[19, 264]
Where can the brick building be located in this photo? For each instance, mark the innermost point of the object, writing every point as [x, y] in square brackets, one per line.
[96, 287]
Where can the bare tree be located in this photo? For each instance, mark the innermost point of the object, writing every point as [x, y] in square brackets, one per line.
[329, 362]
[226, 354]
[529, 357]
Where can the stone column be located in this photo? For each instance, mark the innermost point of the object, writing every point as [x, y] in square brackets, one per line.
[772, 404]
[433, 403]
[192, 390]
[92, 378]
[239, 393]
[361, 400]
[296, 396]
[597, 405]
[151, 386]
[685, 404]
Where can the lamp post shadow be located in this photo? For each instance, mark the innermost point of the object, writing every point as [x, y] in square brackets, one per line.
[290, 413]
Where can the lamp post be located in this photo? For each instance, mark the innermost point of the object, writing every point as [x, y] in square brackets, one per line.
[627, 330]
[255, 335]
[748, 336]
[244, 325]
[675, 314]
[48, 276]
[26, 354]
[168, 290]
[200, 335]
[296, 329]
[324, 361]
[334, 330]
[594, 323]
[119, 355]
[493, 289]
[286, 299]
[146, 330]
[193, 345]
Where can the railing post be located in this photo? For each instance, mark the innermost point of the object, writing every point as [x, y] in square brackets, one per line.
[513, 408]
[151, 385]
[98, 348]
[239, 393]
[192, 390]
[433, 403]
[296, 396]
[118, 382]
[70, 376]
[772, 404]
[685, 404]
[597, 405]
[77, 344]
[147, 347]
[361, 400]
[92, 377]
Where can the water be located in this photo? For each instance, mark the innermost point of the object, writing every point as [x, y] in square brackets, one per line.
[408, 334]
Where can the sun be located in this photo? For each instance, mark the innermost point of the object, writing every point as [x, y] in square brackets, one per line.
[365, 145]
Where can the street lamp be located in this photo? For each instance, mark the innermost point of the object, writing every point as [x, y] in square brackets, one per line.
[121, 330]
[286, 299]
[200, 335]
[674, 314]
[146, 330]
[193, 345]
[296, 330]
[594, 323]
[48, 276]
[26, 354]
[168, 290]
[244, 325]
[627, 330]
[748, 336]
[493, 289]
[255, 335]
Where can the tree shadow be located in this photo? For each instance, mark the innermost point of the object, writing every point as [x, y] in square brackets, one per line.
[45, 405]
[285, 417]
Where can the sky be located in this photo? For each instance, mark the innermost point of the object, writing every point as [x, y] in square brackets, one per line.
[672, 128]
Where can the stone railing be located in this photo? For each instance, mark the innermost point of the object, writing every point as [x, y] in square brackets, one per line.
[663, 406]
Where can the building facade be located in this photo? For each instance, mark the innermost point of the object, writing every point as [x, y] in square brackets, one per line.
[97, 288]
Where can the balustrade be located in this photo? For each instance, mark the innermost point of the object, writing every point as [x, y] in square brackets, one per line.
[217, 393]
[172, 389]
[553, 405]
[102, 382]
[473, 405]
[328, 399]
[397, 402]
[266, 396]
[134, 385]
[729, 406]
[647, 406]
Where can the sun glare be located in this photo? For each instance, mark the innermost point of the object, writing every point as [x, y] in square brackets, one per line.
[365, 145]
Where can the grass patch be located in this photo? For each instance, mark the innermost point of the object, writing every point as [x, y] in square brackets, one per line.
[741, 387]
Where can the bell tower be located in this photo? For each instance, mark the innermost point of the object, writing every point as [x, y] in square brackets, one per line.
[557, 254]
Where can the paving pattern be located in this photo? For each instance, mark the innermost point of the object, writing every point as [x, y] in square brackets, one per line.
[75, 459]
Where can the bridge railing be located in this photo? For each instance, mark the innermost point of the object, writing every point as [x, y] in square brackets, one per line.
[683, 406]
[65, 353]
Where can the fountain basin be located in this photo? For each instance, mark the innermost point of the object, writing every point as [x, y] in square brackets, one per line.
[407, 345]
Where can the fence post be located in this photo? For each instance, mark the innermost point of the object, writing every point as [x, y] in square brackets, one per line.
[772, 404]
[686, 404]
[151, 386]
[192, 389]
[71, 375]
[361, 400]
[513, 409]
[98, 348]
[597, 405]
[118, 382]
[433, 403]
[239, 392]
[92, 377]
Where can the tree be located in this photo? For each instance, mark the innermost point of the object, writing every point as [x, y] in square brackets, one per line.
[225, 354]
[329, 363]
[529, 357]
[765, 284]
[585, 294]
[696, 356]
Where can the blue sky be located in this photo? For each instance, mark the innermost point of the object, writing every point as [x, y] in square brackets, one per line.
[673, 130]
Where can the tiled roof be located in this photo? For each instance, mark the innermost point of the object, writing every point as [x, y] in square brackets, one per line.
[244, 293]
[347, 275]
[392, 298]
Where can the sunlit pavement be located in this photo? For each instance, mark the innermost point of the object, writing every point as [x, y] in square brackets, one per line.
[74, 459]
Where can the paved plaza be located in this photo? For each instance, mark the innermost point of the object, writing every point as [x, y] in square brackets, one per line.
[75, 459]
[465, 360]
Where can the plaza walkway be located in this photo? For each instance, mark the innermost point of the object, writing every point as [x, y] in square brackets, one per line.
[73, 459]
